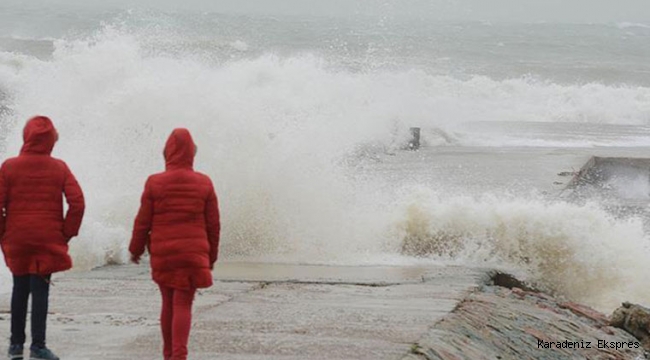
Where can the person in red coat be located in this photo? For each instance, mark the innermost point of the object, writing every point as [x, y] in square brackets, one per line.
[34, 233]
[178, 223]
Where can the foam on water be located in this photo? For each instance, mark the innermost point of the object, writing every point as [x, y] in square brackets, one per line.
[581, 252]
[627, 25]
[276, 134]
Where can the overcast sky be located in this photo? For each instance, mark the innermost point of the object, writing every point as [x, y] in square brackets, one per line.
[581, 11]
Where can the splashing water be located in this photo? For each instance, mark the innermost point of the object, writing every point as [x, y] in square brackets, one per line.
[274, 133]
[580, 252]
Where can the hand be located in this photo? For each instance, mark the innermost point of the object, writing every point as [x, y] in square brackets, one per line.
[135, 259]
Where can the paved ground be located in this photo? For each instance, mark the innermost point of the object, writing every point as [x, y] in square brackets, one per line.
[257, 311]
[480, 170]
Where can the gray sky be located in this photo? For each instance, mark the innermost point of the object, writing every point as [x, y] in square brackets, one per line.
[582, 11]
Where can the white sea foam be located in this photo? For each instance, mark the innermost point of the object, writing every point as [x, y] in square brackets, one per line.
[274, 133]
[581, 252]
[239, 45]
[628, 25]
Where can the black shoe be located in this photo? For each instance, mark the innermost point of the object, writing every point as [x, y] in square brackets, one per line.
[15, 352]
[42, 354]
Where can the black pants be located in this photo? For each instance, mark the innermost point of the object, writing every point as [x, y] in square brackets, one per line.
[39, 287]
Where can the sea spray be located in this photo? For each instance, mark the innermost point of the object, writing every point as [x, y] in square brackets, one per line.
[582, 253]
[276, 133]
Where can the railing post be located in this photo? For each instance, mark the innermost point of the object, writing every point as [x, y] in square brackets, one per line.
[414, 142]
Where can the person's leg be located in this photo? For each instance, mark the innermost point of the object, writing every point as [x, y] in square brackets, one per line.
[19, 298]
[166, 314]
[40, 289]
[181, 322]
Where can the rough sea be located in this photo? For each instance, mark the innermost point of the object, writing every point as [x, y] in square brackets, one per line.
[300, 121]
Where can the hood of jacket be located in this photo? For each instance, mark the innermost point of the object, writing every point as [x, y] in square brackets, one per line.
[180, 150]
[39, 136]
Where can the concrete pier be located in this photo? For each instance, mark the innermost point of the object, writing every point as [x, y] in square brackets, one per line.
[257, 311]
[291, 312]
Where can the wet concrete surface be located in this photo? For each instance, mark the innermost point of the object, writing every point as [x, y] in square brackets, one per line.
[482, 169]
[257, 311]
[290, 312]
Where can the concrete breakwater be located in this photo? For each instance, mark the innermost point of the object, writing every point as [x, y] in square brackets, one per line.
[275, 311]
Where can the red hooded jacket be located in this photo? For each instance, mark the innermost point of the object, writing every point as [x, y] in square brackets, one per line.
[33, 231]
[178, 220]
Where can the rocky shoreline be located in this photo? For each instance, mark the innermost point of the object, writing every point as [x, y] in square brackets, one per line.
[496, 322]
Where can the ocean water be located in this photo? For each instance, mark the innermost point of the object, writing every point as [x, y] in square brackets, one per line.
[298, 121]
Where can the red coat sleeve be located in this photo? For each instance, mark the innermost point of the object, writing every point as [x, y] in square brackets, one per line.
[142, 225]
[75, 198]
[213, 224]
[3, 200]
